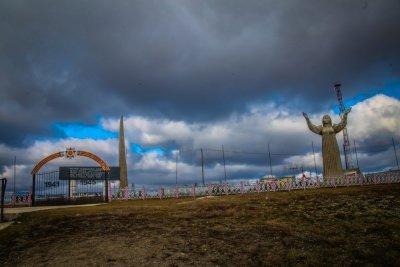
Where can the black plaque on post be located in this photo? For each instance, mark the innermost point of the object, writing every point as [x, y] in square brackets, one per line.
[87, 173]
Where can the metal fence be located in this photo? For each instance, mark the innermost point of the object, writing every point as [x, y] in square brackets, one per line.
[20, 198]
[243, 187]
[49, 189]
[50, 192]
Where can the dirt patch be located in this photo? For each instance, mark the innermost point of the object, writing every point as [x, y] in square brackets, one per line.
[206, 197]
[4, 225]
[343, 226]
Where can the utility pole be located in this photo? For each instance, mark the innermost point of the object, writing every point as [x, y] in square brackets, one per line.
[395, 154]
[355, 150]
[176, 168]
[270, 164]
[15, 163]
[202, 166]
[346, 142]
[293, 169]
[223, 157]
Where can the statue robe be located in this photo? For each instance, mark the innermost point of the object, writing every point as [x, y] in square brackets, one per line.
[330, 149]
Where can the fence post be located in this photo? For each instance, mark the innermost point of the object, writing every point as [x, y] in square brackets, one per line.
[14, 200]
[289, 185]
[109, 192]
[126, 193]
[193, 190]
[107, 197]
[241, 187]
[209, 189]
[176, 191]
[226, 188]
[3, 191]
[143, 192]
[258, 186]
[30, 196]
[33, 188]
[318, 182]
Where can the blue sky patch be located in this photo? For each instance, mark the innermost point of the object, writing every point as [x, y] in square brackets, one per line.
[391, 88]
[138, 149]
[82, 131]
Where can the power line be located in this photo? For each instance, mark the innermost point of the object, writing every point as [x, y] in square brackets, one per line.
[253, 153]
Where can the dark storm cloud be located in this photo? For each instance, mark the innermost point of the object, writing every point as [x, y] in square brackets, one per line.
[190, 60]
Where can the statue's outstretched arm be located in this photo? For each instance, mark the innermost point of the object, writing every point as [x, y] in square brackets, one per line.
[343, 122]
[313, 128]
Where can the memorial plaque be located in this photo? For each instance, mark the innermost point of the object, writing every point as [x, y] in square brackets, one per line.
[87, 173]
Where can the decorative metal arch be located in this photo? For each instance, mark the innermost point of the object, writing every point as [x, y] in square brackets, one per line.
[71, 153]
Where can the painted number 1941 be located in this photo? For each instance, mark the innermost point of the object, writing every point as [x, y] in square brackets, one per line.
[52, 184]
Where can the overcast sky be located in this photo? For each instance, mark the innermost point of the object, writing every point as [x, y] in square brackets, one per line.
[196, 74]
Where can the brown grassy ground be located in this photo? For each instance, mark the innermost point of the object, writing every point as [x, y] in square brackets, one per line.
[355, 226]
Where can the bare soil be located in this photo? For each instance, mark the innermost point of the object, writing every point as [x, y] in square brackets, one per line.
[355, 226]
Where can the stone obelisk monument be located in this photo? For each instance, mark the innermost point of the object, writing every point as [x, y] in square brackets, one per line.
[123, 173]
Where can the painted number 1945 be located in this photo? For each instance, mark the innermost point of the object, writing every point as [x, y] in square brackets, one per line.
[88, 182]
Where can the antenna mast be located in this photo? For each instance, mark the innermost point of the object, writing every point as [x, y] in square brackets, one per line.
[346, 142]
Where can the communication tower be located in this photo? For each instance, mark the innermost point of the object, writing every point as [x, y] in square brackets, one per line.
[346, 142]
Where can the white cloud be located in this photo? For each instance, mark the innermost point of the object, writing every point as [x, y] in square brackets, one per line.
[287, 133]
[20, 174]
[377, 115]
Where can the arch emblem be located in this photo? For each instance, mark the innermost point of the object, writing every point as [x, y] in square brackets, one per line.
[70, 153]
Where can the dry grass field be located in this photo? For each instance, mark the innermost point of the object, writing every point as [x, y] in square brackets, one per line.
[355, 226]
